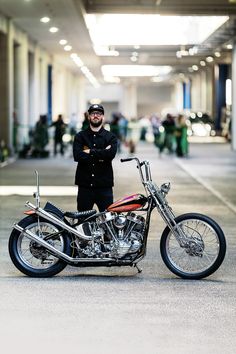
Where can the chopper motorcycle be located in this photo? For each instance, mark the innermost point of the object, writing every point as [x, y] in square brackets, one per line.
[192, 245]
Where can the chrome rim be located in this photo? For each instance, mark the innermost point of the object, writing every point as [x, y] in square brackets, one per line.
[34, 255]
[199, 234]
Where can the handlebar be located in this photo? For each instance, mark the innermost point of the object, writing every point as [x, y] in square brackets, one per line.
[139, 165]
[125, 160]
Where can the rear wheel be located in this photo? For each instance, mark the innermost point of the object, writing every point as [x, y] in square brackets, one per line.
[203, 252]
[31, 258]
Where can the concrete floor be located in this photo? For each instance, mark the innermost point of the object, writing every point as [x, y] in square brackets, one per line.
[117, 310]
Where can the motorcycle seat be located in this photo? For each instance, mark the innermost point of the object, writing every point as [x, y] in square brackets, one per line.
[80, 214]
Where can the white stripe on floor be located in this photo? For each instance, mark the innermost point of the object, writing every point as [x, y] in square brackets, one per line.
[44, 190]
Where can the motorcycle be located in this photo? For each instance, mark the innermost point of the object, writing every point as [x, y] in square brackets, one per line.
[192, 245]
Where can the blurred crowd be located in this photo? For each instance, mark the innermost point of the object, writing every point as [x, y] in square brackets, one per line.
[168, 134]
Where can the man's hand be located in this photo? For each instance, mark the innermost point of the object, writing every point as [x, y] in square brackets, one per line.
[87, 151]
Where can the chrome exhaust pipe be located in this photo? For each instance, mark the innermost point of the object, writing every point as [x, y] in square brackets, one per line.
[55, 220]
[43, 243]
[55, 251]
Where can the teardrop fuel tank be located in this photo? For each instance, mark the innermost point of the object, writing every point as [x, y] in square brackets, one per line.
[128, 203]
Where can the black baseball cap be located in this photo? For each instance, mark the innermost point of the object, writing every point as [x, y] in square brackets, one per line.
[96, 107]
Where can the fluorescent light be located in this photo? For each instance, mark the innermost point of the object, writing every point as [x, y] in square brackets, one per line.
[195, 67]
[135, 70]
[115, 29]
[67, 48]
[157, 79]
[105, 51]
[229, 46]
[217, 54]
[112, 79]
[62, 41]
[209, 59]
[202, 63]
[45, 19]
[53, 29]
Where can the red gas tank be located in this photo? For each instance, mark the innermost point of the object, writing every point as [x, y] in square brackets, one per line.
[128, 203]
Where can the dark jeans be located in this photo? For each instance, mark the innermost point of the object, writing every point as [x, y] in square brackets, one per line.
[61, 147]
[87, 197]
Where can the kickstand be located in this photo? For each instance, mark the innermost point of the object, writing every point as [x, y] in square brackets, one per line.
[139, 269]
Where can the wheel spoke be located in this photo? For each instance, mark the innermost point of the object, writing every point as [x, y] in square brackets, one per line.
[32, 253]
[189, 259]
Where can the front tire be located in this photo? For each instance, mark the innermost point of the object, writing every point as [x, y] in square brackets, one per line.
[204, 251]
[31, 258]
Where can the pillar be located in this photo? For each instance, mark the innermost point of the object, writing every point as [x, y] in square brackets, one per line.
[233, 131]
[129, 101]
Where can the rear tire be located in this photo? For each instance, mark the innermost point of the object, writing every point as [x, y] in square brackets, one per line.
[190, 263]
[31, 258]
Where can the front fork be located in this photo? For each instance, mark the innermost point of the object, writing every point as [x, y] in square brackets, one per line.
[168, 216]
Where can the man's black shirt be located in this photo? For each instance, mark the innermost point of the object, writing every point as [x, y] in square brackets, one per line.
[94, 169]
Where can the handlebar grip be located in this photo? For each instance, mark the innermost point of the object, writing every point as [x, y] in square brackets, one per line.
[125, 160]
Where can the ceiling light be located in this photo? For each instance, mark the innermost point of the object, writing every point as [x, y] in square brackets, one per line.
[195, 67]
[85, 70]
[112, 79]
[106, 29]
[217, 54]
[135, 70]
[202, 63]
[157, 79]
[135, 54]
[67, 48]
[136, 46]
[63, 41]
[209, 59]
[229, 46]
[105, 51]
[45, 19]
[133, 59]
[53, 29]
[193, 50]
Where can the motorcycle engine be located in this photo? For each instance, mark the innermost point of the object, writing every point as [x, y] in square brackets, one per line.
[115, 235]
[123, 232]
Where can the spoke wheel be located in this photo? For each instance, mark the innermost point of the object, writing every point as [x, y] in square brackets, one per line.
[203, 251]
[31, 258]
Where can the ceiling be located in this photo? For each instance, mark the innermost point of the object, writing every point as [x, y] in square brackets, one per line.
[68, 16]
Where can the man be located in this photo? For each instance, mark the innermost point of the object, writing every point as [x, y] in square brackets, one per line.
[94, 149]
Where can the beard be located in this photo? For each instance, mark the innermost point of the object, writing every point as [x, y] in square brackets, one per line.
[95, 124]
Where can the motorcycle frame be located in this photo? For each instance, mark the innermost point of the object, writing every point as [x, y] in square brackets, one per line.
[155, 199]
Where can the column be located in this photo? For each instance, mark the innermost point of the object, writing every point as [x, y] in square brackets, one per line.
[22, 89]
[129, 101]
[178, 96]
[233, 98]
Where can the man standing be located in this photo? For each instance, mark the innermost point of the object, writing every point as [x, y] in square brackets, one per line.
[94, 149]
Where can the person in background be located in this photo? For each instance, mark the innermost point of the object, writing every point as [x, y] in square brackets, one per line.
[169, 137]
[181, 136]
[94, 149]
[115, 129]
[85, 123]
[40, 137]
[60, 128]
[133, 135]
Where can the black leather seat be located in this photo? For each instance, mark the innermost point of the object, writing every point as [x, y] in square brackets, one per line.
[80, 214]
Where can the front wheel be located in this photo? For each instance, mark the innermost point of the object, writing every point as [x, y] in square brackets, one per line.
[202, 251]
[31, 258]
